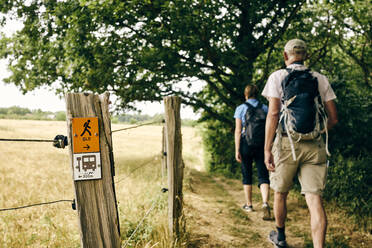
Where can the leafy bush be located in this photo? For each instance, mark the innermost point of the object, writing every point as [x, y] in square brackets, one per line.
[61, 116]
[133, 118]
[351, 136]
[15, 110]
[218, 142]
[349, 183]
[349, 180]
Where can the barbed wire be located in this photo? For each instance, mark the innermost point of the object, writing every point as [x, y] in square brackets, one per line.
[27, 140]
[36, 204]
[140, 125]
[163, 190]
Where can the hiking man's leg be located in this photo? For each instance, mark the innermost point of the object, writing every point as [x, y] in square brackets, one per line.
[318, 219]
[280, 212]
[280, 208]
[312, 177]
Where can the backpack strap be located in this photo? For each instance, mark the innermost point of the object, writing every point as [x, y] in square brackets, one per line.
[259, 105]
[289, 70]
[283, 83]
[249, 105]
[249, 110]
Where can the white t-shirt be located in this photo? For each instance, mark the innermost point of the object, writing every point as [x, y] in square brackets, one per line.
[273, 86]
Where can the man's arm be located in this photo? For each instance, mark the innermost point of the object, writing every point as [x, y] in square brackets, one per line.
[331, 110]
[271, 125]
[238, 131]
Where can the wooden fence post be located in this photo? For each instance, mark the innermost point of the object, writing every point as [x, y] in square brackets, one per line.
[95, 197]
[174, 163]
[164, 153]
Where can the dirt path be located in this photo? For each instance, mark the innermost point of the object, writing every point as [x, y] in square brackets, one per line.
[215, 218]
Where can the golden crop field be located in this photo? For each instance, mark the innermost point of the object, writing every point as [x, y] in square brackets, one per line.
[33, 172]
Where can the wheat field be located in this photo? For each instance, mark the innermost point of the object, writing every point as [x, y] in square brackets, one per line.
[33, 172]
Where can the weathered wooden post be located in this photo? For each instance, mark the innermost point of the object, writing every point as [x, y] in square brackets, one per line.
[164, 152]
[174, 163]
[89, 133]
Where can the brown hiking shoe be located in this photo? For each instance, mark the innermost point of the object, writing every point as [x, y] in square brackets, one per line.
[266, 212]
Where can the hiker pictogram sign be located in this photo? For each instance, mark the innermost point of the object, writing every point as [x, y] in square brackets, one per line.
[85, 135]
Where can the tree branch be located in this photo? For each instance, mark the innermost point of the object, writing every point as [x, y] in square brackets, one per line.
[266, 70]
[280, 32]
[360, 62]
[199, 104]
[218, 91]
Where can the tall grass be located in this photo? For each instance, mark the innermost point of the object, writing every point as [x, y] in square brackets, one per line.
[33, 173]
[38, 172]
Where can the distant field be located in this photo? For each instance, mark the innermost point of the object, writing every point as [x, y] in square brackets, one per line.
[38, 172]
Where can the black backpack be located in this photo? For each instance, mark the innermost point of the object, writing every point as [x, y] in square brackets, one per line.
[302, 116]
[300, 93]
[254, 129]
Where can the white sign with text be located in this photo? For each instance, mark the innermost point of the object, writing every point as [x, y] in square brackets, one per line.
[87, 166]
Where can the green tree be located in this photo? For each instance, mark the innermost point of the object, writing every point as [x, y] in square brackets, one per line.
[15, 110]
[147, 49]
[144, 50]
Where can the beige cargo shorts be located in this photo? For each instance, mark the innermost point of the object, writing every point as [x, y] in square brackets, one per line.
[310, 166]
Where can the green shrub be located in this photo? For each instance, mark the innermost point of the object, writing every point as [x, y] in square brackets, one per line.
[15, 110]
[351, 136]
[61, 116]
[218, 139]
[349, 181]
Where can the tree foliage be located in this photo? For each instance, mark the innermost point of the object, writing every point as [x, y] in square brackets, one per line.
[16, 112]
[144, 50]
[204, 51]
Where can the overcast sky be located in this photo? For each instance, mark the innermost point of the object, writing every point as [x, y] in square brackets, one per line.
[46, 100]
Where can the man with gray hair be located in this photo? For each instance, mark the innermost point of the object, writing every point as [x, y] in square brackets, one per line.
[297, 98]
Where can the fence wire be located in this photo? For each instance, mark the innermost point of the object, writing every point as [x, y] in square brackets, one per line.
[27, 140]
[48, 140]
[138, 167]
[163, 190]
[140, 125]
[36, 204]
